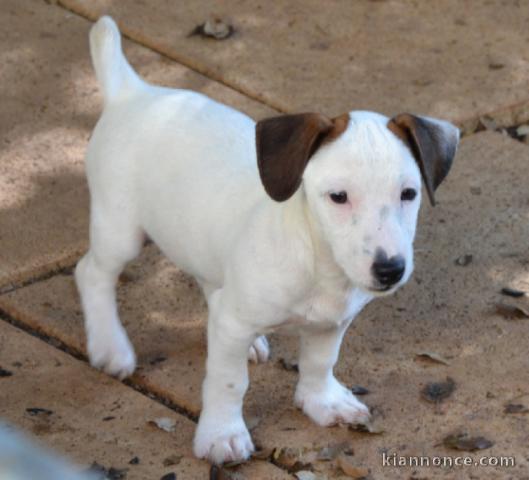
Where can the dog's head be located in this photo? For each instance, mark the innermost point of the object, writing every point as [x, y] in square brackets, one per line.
[361, 175]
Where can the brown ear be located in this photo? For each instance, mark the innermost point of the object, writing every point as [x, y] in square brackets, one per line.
[285, 145]
[432, 142]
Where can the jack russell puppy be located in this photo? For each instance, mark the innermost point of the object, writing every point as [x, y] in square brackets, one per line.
[298, 220]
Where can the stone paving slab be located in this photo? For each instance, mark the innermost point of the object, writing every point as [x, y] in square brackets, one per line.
[81, 399]
[96, 418]
[457, 60]
[446, 309]
[50, 103]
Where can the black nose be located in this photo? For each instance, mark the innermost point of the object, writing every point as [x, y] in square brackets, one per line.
[388, 271]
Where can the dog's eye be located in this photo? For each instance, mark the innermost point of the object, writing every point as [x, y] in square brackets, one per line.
[408, 194]
[338, 197]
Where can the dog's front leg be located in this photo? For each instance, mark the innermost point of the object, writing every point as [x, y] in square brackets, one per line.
[323, 398]
[221, 434]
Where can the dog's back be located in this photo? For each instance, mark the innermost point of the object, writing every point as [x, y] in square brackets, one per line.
[149, 136]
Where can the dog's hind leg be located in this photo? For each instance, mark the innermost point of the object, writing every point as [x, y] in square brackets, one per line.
[259, 351]
[113, 242]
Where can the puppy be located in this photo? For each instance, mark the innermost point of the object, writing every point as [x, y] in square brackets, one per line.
[298, 220]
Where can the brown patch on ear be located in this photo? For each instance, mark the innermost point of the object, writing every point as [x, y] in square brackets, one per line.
[286, 143]
[432, 152]
[340, 124]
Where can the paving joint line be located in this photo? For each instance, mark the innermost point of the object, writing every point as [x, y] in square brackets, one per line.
[79, 355]
[144, 41]
[13, 286]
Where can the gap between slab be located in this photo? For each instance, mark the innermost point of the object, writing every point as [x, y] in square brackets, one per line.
[60, 345]
[75, 353]
[139, 38]
[505, 116]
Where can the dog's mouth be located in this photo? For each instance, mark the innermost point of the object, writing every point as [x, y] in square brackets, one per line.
[382, 289]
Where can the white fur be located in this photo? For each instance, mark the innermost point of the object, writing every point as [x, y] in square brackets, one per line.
[181, 168]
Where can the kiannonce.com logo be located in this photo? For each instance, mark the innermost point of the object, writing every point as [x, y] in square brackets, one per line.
[394, 460]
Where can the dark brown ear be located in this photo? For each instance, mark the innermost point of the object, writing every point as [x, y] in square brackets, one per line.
[433, 144]
[285, 145]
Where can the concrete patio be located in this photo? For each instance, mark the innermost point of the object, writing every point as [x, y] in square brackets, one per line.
[467, 62]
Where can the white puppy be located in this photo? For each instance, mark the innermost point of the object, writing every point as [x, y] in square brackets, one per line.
[332, 228]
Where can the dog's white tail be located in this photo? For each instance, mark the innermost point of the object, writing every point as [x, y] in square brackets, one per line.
[113, 71]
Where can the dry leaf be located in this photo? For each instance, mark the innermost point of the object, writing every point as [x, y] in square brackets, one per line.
[359, 390]
[5, 373]
[511, 292]
[350, 470]
[436, 392]
[220, 473]
[172, 460]
[461, 441]
[370, 427]
[515, 408]
[434, 357]
[511, 311]
[164, 423]
[263, 453]
[332, 451]
[522, 130]
[214, 28]
[464, 260]
[306, 475]
[290, 458]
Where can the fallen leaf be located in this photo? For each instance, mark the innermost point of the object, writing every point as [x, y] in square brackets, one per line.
[350, 470]
[511, 292]
[290, 458]
[359, 390]
[158, 359]
[372, 427]
[496, 65]
[38, 411]
[263, 453]
[436, 392]
[511, 311]
[172, 460]
[213, 28]
[169, 476]
[306, 475]
[488, 123]
[220, 473]
[107, 474]
[464, 260]
[522, 130]
[461, 441]
[288, 366]
[515, 408]
[164, 423]
[434, 357]
[332, 451]
[134, 461]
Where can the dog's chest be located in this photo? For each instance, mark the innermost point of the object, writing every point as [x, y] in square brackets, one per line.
[331, 304]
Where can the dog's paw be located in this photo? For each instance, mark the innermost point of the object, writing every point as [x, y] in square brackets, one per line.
[259, 351]
[112, 353]
[219, 446]
[335, 405]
